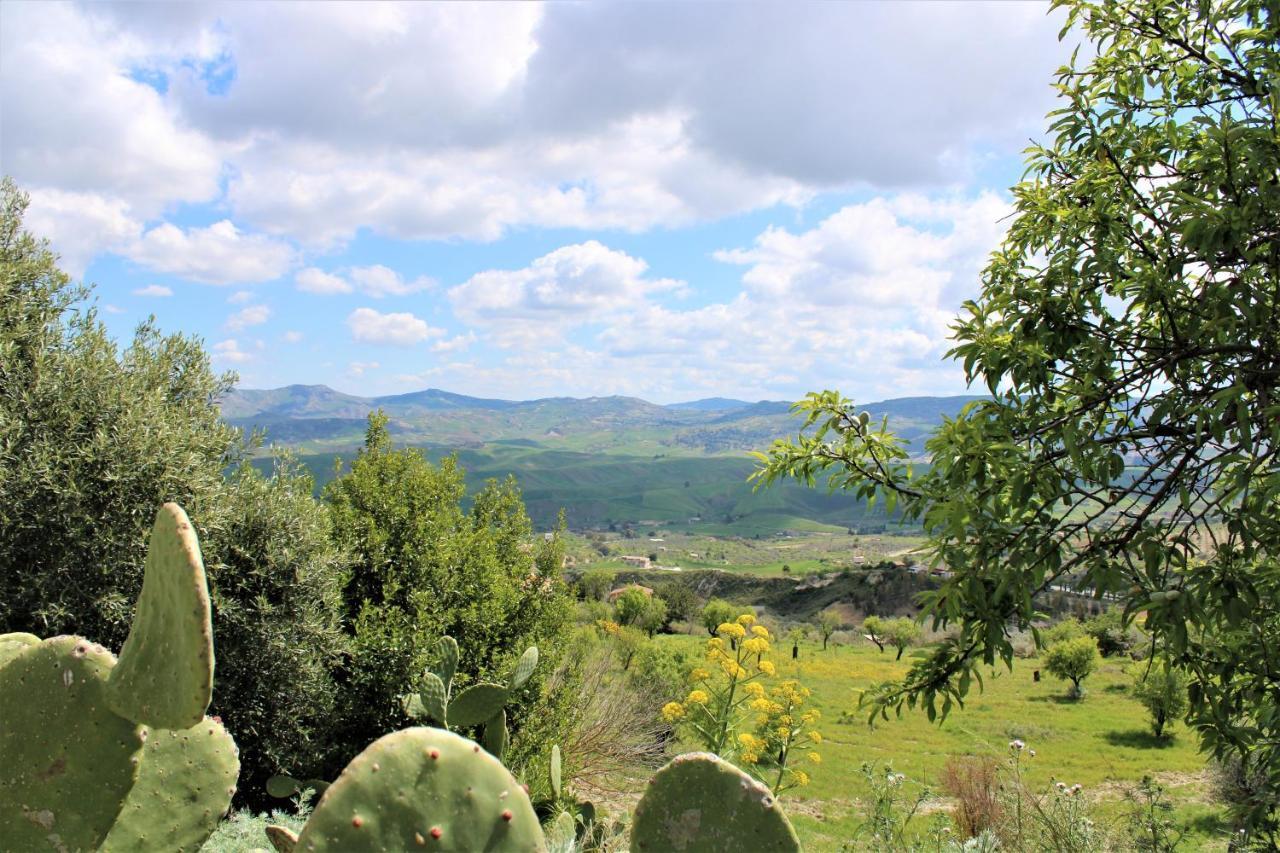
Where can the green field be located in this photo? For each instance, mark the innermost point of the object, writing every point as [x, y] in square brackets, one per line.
[1101, 742]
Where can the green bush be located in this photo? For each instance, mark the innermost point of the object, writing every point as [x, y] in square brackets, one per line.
[275, 579]
[1112, 635]
[1162, 690]
[1073, 660]
[423, 567]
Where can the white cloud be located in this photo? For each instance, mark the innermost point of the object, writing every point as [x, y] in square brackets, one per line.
[112, 309]
[458, 343]
[240, 297]
[378, 281]
[78, 225]
[153, 290]
[313, 280]
[292, 337]
[218, 254]
[357, 369]
[572, 286]
[229, 350]
[254, 315]
[401, 329]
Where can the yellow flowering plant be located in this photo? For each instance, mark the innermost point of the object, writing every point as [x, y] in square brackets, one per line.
[725, 692]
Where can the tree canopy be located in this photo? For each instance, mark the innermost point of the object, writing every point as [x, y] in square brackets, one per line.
[1127, 332]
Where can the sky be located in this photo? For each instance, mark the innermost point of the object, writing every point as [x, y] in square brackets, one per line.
[662, 200]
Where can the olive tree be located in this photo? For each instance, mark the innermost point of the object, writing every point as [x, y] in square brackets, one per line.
[1074, 661]
[1128, 331]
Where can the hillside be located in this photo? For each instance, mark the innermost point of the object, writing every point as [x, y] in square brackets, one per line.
[606, 461]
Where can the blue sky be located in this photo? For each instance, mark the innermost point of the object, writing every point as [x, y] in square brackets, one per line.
[669, 201]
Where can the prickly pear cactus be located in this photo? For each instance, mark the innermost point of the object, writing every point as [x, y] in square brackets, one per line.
[185, 784]
[282, 838]
[423, 788]
[165, 674]
[67, 761]
[701, 804]
[12, 645]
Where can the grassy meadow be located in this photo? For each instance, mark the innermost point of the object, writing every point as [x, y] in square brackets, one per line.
[1101, 742]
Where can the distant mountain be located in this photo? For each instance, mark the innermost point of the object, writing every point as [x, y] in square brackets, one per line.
[710, 404]
[318, 418]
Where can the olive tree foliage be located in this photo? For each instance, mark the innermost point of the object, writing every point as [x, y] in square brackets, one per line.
[1074, 661]
[92, 440]
[1129, 334]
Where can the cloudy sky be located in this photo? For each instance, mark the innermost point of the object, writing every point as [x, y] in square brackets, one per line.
[670, 201]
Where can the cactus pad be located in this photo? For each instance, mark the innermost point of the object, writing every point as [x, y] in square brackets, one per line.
[434, 697]
[447, 651]
[524, 667]
[184, 787]
[701, 804]
[12, 645]
[165, 674]
[423, 788]
[476, 704]
[67, 761]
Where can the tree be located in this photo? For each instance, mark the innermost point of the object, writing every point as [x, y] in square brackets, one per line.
[630, 606]
[1128, 333]
[93, 439]
[1162, 690]
[682, 601]
[1074, 661]
[594, 584]
[876, 630]
[654, 616]
[903, 632]
[423, 567]
[717, 611]
[829, 621]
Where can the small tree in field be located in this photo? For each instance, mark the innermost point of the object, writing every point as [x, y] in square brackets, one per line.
[903, 633]
[875, 629]
[1073, 660]
[828, 623]
[716, 612]
[1162, 690]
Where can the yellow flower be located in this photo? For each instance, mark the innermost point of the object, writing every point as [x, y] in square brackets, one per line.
[698, 697]
[816, 737]
[746, 619]
[760, 631]
[672, 711]
[811, 716]
[699, 674]
[767, 667]
[731, 629]
[749, 741]
[755, 646]
[801, 778]
[815, 758]
[784, 732]
[761, 704]
[754, 689]
[714, 644]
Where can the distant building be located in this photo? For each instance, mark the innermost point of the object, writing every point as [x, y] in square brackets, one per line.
[636, 562]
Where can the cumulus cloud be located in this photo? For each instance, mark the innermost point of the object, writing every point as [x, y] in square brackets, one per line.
[401, 329]
[218, 254]
[292, 337]
[378, 281]
[468, 120]
[240, 297]
[313, 280]
[153, 290]
[229, 350]
[78, 225]
[254, 315]
[574, 285]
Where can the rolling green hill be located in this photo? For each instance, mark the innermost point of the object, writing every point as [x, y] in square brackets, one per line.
[604, 460]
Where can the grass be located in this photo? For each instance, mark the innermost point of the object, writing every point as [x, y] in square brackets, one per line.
[1101, 742]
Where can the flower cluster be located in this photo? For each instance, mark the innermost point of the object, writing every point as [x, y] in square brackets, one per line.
[732, 684]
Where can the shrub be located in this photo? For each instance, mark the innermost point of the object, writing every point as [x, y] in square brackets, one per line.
[1112, 635]
[422, 568]
[716, 612]
[974, 782]
[1061, 632]
[1073, 660]
[594, 585]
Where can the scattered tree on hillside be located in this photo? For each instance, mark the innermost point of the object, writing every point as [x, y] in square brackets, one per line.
[903, 633]
[716, 612]
[682, 601]
[594, 585]
[1074, 661]
[1128, 331]
[1162, 690]
[630, 606]
[829, 621]
[875, 629]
